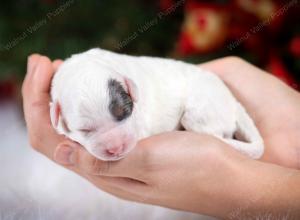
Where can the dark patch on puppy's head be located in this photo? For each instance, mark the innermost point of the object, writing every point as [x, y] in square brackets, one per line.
[121, 104]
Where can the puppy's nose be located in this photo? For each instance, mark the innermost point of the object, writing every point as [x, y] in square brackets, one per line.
[116, 150]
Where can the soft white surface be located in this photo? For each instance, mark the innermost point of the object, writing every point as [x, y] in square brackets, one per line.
[32, 187]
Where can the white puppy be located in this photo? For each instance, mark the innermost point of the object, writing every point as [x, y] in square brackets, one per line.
[107, 102]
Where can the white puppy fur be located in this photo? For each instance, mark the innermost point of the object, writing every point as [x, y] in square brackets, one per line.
[108, 101]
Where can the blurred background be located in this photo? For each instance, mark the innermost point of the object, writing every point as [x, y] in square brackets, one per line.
[264, 32]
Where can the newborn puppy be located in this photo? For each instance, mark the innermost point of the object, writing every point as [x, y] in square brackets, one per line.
[107, 102]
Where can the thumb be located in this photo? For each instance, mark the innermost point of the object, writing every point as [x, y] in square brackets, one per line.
[75, 157]
[66, 153]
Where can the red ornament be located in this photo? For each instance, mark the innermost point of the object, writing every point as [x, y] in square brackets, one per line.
[205, 28]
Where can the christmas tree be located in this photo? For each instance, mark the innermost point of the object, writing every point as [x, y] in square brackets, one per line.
[265, 32]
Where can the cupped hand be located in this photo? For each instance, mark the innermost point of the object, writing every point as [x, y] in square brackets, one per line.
[181, 170]
[159, 167]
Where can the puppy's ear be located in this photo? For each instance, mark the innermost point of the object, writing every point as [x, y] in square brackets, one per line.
[55, 112]
[57, 119]
[131, 89]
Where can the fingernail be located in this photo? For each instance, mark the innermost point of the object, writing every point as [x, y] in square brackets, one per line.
[65, 155]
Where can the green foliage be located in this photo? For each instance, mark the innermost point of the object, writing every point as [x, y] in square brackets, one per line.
[61, 28]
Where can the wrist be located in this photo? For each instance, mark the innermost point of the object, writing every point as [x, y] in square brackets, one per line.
[263, 189]
[227, 188]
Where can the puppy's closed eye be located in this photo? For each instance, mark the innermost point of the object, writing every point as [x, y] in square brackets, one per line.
[87, 131]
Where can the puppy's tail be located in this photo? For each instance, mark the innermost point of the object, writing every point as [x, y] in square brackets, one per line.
[247, 137]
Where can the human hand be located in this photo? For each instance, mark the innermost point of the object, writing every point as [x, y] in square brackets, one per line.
[274, 107]
[159, 171]
[162, 170]
[149, 174]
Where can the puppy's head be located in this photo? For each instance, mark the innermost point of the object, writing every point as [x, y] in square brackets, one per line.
[95, 106]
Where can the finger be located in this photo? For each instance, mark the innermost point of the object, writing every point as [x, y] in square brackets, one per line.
[32, 62]
[107, 177]
[42, 76]
[56, 64]
[36, 87]
[36, 98]
[73, 155]
[36, 90]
